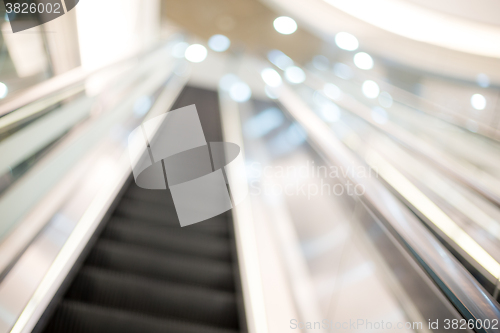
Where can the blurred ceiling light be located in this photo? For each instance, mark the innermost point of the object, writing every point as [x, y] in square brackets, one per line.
[370, 89]
[3, 90]
[483, 80]
[363, 60]
[320, 62]
[342, 71]
[279, 59]
[385, 99]
[478, 101]
[379, 115]
[179, 50]
[406, 19]
[227, 81]
[196, 53]
[346, 41]
[271, 77]
[240, 92]
[295, 75]
[285, 25]
[219, 43]
[330, 112]
[270, 93]
[332, 91]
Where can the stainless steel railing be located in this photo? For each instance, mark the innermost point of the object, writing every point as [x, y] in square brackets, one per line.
[462, 289]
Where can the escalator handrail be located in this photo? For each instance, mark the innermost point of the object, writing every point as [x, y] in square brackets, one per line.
[432, 108]
[59, 83]
[88, 214]
[418, 146]
[461, 288]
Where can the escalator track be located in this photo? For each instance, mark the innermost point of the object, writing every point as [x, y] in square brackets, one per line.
[145, 273]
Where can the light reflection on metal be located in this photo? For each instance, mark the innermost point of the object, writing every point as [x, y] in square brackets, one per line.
[421, 202]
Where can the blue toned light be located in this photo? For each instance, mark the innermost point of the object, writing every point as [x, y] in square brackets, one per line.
[270, 93]
[227, 81]
[279, 59]
[219, 43]
[320, 62]
[240, 92]
[271, 77]
[330, 112]
[142, 106]
[179, 49]
[332, 91]
[295, 134]
[385, 99]
[295, 75]
[263, 123]
[483, 80]
[342, 71]
[288, 139]
[379, 115]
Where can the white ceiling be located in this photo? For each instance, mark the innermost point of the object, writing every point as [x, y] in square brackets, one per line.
[482, 11]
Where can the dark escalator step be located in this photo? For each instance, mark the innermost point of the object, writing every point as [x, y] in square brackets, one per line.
[156, 213]
[212, 226]
[175, 240]
[146, 210]
[78, 317]
[158, 196]
[164, 266]
[151, 297]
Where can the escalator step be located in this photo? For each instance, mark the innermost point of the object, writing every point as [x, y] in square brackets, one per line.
[213, 226]
[146, 210]
[165, 266]
[175, 240]
[155, 196]
[76, 317]
[154, 298]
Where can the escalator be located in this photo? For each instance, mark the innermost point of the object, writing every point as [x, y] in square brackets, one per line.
[144, 273]
[112, 257]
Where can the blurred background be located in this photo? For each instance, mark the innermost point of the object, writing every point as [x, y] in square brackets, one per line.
[369, 130]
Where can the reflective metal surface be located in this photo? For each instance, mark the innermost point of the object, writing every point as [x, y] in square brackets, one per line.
[458, 284]
[103, 167]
